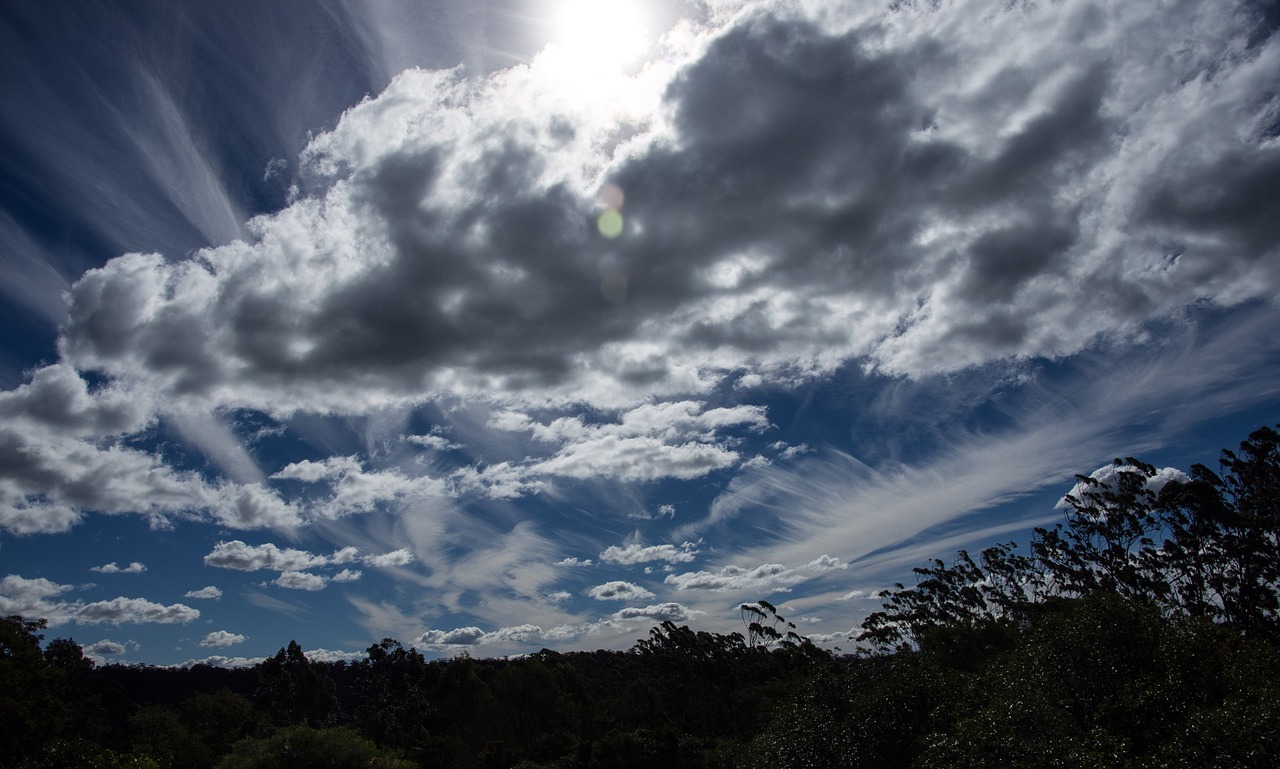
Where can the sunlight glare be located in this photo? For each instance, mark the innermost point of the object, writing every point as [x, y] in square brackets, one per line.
[602, 34]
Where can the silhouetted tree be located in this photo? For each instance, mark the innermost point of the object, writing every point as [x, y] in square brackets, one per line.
[292, 690]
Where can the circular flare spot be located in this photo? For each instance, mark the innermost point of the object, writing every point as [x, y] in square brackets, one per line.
[610, 223]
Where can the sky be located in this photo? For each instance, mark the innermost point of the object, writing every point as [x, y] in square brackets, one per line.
[496, 326]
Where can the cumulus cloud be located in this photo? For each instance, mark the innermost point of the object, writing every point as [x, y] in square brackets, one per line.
[401, 557]
[663, 612]
[347, 575]
[104, 648]
[241, 556]
[113, 568]
[300, 580]
[463, 636]
[210, 592]
[1006, 200]
[222, 639]
[767, 578]
[619, 591]
[120, 610]
[1108, 476]
[629, 555]
[355, 489]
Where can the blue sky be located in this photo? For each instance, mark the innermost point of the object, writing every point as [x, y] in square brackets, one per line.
[522, 324]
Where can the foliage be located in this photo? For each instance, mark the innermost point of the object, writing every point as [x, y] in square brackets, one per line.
[303, 747]
[1205, 547]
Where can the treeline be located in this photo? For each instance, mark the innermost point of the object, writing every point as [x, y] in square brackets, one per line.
[1143, 631]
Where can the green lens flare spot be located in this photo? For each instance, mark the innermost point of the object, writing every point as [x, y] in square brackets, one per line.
[610, 223]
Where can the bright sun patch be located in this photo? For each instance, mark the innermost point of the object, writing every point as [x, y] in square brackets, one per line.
[601, 34]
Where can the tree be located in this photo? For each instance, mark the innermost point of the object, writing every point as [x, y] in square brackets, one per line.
[303, 747]
[292, 690]
[31, 708]
[1203, 546]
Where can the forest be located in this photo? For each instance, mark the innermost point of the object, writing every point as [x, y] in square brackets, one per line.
[1141, 631]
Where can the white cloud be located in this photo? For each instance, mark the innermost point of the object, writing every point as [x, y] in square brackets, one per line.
[629, 555]
[222, 639]
[1108, 477]
[663, 612]
[300, 580]
[113, 568]
[766, 578]
[619, 591]
[347, 575]
[121, 610]
[104, 648]
[573, 561]
[433, 442]
[354, 489]
[204, 592]
[241, 556]
[31, 597]
[401, 557]
[463, 636]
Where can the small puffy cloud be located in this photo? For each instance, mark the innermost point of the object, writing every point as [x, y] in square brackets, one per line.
[241, 556]
[31, 597]
[222, 639]
[209, 592]
[619, 591]
[105, 648]
[433, 441]
[134, 610]
[825, 563]
[399, 557]
[769, 577]
[663, 612]
[231, 663]
[300, 580]
[630, 555]
[113, 568]
[517, 634]
[347, 575]
[573, 561]
[355, 489]
[463, 636]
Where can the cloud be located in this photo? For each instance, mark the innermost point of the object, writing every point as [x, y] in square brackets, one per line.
[347, 575]
[241, 556]
[121, 610]
[663, 612]
[354, 489]
[31, 597]
[1108, 477]
[766, 578]
[113, 568]
[401, 557]
[300, 580]
[464, 636]
[619, 591]
[204, 592]
[573, 561]
[222, 639]
[630, 555]
[104, 648]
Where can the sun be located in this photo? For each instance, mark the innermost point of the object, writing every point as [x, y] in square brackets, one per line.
[604, 35]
